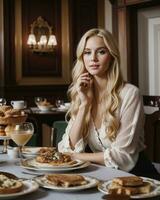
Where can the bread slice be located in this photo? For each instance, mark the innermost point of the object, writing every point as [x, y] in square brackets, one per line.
[128, 181]
[116, 188]
[9, 185]
[66, 180]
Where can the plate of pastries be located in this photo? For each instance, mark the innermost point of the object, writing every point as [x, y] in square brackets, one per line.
[66, 182]
[48, 159]
[9, 117]
[30, 151]
[45, 105]
[133, 186]
[11, 186]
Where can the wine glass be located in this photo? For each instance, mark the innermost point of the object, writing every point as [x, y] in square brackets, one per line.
[39, 100]
[59, 103]
[21, 134]
[2, 101]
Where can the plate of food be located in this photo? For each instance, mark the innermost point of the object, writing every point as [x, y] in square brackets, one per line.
[26, 164]
[33, 151]
[134, 186]
[50, 159]
[66, 182]
[44, 106]
[12, 187]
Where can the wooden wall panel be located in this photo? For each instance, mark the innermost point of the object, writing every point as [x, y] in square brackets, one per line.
[84, 17]
[1, 46]
[27, 75]
[126, 30]
[46, 64]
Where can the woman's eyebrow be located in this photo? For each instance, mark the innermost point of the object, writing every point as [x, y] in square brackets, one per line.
[102, 47]
[87, 49]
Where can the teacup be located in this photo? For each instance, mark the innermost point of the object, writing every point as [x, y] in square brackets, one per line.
[67, 105]
[18, 104]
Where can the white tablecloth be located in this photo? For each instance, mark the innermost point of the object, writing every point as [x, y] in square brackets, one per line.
[97, 171]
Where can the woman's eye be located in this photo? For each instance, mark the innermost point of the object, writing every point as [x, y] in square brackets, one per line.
[86, 52]
[102, 51]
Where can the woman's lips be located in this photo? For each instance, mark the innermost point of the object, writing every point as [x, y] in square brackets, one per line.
[94, 66]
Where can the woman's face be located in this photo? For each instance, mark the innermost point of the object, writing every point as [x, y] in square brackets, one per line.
[96, 56]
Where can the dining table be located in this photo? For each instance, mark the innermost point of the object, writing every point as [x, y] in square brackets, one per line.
[101, 173]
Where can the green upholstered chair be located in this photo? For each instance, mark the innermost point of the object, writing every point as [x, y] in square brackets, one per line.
[58, 129]
[34, 139]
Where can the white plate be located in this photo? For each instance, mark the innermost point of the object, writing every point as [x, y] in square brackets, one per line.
[5, 137]
[62, 109]
[29, 186]
[34, 163]
[27, 165]
[91, 182]
[31, 150]
[103, 187]
[45, 108]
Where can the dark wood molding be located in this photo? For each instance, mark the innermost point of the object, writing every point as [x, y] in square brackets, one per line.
[45, 65]
[126, 30]
[2, 70]
[9, 43]
[84, 17]
[29, 92]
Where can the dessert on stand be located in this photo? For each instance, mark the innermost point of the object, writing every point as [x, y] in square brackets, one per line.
[9, 117]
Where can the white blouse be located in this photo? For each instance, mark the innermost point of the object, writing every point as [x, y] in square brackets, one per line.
[123, 152]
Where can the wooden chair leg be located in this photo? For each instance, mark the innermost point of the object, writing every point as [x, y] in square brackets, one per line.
[53, 135]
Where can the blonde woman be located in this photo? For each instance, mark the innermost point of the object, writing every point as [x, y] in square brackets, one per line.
[106, 113]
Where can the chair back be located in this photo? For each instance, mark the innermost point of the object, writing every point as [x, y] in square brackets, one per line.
[152, 127]
[152, 135]
[34, 139]
[58, 131]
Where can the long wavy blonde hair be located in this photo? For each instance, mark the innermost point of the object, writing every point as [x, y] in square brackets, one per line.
[114, 83]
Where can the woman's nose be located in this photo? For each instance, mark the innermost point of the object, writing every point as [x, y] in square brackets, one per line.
[93, 56]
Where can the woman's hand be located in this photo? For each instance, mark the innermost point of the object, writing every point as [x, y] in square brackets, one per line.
[91, 157]
[84, 88]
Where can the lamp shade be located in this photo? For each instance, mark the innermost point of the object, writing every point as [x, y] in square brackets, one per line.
[43, 40]
[52, 40]
[31, 39]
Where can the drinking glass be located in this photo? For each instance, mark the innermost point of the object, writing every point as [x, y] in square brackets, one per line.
[2, 101]
[38, 100]
[21, 134]
[59, 103]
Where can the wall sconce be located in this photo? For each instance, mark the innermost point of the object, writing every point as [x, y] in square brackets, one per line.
[41, 39]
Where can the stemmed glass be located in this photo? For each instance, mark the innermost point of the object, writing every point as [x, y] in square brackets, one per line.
[21, 134]
[59, 103]
[39, 100]
[2, 101]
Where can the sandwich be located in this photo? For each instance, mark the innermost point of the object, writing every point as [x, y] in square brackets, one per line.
[130, 185]
[128, 181]
[9, 185]
[66, 180]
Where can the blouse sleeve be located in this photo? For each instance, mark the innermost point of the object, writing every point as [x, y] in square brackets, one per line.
[64, 144]
[123, 152]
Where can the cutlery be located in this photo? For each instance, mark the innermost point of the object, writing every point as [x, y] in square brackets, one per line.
[32, 173]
